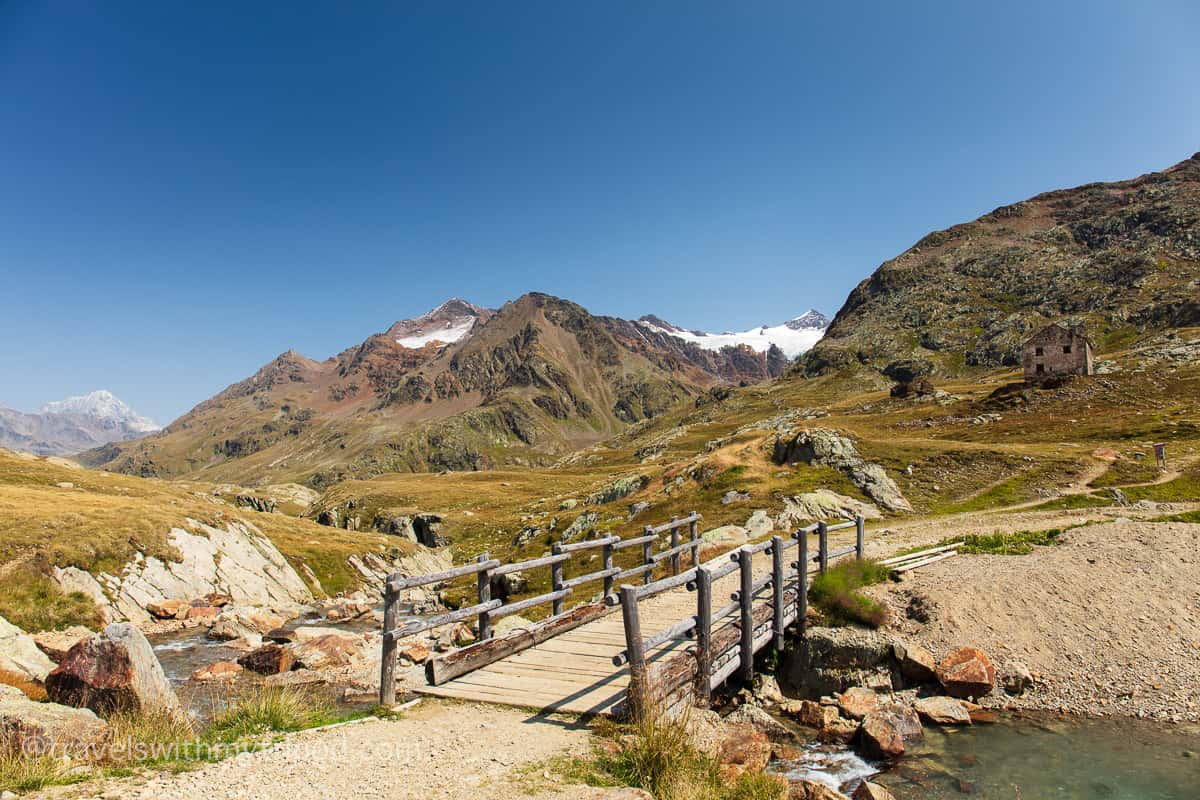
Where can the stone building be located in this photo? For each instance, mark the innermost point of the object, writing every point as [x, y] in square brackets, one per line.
[1055, 352]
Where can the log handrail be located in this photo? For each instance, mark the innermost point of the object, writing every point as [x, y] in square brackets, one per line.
[399, 583]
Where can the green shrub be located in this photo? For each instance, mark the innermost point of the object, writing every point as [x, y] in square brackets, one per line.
[1018, 543]
[836, 593]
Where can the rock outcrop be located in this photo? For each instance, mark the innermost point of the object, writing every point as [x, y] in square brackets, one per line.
[114, 670]
[20, 654]
[802, 509]
[237, 560]
[967, 672]
[828, 448]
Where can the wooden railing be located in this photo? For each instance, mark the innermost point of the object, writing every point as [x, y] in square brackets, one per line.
[727, 637]
[488, 609]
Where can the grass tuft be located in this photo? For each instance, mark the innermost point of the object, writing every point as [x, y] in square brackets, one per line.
[33, 602]
[272, 710]
[836, 593]
[26, 773]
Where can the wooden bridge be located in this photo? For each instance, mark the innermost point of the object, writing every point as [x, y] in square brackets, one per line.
[674, 642]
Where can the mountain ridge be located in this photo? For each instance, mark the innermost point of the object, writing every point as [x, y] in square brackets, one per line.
[72, 425]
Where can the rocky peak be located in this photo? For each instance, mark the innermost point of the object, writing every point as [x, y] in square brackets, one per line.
[101, 404]
[811, 320]
[446, 324]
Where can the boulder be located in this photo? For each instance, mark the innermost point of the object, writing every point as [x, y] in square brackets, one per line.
[857, 702]
[220, 671]
[825, 447]
[734, 496]
[887, 729]
[759, 523]
[813, 790]
[816, 715]
[967, 672]
[726, 536]
[838, 730]
[802, 509]
[168, 609]
[872, 791]
[114, 670]
[20, 654]
[942, 711]
[917, 664]
[331, 650]
[760, 720]
[236, 621]
[214, 599]
[55, 644]
[31, 727]
[743, 749]
[203, 612]
[270, 659]
[428, 528]
[1016, 678]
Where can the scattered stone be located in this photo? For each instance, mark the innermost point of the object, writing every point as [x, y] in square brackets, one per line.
[237, 621]
[20, 654]
[416, 652]
[31, 727]
[216, 600]
[582, 524]
[734, 496]
[270, 659]
[857, 702]
[744, 749]
[726, 536]
[330, 650]
[203, 612]
[640, 507]
[942, 711]
[760, 720]
[1016, 678]
[885, 731]
[813, 790]
[967, 672]
[917, 664]
[838, 730]
[871, 791]
[618, 489]
[168, 609]
[114, 670]
[759, 523]
[220, 671]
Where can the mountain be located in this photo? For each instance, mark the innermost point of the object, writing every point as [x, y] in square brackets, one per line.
[458, 388]
[793, 338]
[66, 427]
[1121, 259]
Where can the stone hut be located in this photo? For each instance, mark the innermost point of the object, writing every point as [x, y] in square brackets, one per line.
[1055, 352]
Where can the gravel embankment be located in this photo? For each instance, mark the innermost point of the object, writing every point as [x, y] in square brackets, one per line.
[1108, 621]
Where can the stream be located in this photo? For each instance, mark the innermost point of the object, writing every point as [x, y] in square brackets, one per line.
[183, 652]
[1025, 757]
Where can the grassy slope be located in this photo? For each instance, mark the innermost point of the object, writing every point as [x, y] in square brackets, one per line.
[101, 520]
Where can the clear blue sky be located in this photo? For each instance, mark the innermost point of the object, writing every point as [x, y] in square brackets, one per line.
[189, 188]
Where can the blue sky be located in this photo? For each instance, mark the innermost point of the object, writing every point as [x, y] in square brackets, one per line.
[189, 189]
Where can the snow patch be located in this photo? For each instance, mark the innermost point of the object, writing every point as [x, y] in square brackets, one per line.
[794, 337]
[446, 333]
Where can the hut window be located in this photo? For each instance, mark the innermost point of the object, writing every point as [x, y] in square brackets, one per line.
[1037, 351]
[1066, 348]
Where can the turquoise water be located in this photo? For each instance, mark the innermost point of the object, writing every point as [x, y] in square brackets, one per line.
[1032, 758]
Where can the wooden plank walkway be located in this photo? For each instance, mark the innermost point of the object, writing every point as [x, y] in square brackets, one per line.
[573, 672]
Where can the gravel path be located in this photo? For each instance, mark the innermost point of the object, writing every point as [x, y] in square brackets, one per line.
[438, 750]
[1109, 621]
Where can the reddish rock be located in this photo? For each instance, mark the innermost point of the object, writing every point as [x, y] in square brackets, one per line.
[813, 790]
[416, 652]
[917, 664]
[220, 671]
[886, 730]
[203, 612]
[872, 791]
[857, 702]
[270, 659]
[967, 672]
[113, 671]
[943, 711]
[31, 727]
[838, 731]
[216, 600]
[331, 650]
[814, 714]
[744, 749]
[280, 635]
[168, 609]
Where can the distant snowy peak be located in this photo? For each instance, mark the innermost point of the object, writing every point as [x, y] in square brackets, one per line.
[102, 405]
[446, 324]
[793, 337]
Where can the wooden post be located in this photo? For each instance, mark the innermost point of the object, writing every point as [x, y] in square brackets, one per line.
[703, 637]
[387, 669]
[674, 543]
[777, 589]
[608, 565]
[746, 603]
[556, 579]
[860, 542]
[823, 546]
[483, 586]
[802, 585]
[694, 535]
[647, 555]
[638, 692]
